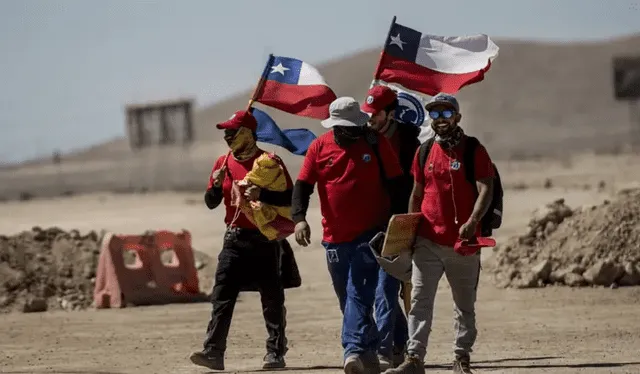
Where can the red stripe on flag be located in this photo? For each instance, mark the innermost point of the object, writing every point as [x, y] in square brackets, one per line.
[306, 101]
[422, 79]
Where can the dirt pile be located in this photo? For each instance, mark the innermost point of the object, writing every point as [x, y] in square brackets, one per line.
[47, 269]
[597, 245]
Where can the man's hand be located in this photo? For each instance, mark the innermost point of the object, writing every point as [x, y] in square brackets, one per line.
[303, 233]
[468, 229]
[218, 177]
[252, 193]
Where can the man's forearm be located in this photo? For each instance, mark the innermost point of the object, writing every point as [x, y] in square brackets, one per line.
[300, 201]
[213, 197]
[485, 193]
[415, 200]
[277, 198]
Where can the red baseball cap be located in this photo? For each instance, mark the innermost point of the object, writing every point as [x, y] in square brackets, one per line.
[470, 247]
[241, 118]
[378, 98]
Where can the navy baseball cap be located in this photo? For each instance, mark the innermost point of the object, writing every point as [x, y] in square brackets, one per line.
[443, 99]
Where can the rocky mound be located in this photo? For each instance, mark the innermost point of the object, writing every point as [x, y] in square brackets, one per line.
[51, 269]
[46, 269]
[598, 246]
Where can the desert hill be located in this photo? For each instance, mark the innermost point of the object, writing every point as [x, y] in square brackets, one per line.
[538, 99]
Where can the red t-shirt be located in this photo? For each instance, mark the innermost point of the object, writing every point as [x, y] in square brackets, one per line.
[352, 197]
[447, 191]
[237, 170]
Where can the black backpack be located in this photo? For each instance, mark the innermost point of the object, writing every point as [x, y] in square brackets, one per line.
[493, 218]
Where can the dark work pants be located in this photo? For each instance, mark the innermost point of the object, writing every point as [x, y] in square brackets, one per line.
[247, 259]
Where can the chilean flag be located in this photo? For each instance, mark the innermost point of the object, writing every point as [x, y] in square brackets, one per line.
[295, 87]
[432, 64]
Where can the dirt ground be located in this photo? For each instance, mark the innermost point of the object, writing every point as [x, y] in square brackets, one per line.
[549, 330]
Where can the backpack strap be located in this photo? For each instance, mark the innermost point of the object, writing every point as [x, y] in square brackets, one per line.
[372, 139]
[468, 159]
[423, 151]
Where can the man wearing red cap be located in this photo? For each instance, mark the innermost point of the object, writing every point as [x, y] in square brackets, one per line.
[452, 208]
[381, 103]
[247, 259]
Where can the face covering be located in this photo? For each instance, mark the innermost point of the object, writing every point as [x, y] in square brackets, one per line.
[345, 136]
[451, 139]
[243, 145]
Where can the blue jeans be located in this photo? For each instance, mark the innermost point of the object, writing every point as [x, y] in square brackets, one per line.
[354, 273]
[392, 324]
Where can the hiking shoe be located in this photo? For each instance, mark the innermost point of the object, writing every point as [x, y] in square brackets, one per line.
[411, 365]
[385, 363]
[462, 366]
[273, 361]
[353, 365]
[208, 360]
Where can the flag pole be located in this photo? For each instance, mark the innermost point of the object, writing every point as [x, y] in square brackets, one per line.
[263, 78]
[386, 43]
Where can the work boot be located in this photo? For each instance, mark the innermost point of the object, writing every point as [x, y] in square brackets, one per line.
[273, 361]
[411, 365]
[362, 364]
[462, 366]
[211, 361]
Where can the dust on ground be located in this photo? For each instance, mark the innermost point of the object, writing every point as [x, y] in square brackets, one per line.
[587, 246]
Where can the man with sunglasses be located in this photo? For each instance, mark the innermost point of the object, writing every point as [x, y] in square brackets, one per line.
[451, 215]
[381, 103]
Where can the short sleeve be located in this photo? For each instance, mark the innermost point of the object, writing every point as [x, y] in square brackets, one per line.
[216, 166]
[416, 170]
[389, 157]
[483, 166]
[308, 172]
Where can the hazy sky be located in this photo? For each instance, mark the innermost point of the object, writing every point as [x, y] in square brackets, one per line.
[67, 67]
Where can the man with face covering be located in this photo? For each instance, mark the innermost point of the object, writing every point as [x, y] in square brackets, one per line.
[247, 258]
[451, 214]
[381, 104]
[357, 172]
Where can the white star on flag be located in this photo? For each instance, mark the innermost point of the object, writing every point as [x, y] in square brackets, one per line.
[395, 40]
[279, 69]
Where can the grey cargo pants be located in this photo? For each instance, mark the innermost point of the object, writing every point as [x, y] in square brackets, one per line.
[430, 261]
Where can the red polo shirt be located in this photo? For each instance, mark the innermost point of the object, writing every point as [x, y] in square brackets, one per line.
[447, 192]
[237, 170]
[352, 197]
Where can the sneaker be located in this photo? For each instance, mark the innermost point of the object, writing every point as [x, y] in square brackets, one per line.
[208, 360]
[462, 366]
[385, 363]
[353, 365]
[273, 361]
[411, 365]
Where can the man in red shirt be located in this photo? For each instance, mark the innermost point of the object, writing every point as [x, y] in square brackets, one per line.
[357, 172]
[451, 213]
[247, 259]
[381, 103]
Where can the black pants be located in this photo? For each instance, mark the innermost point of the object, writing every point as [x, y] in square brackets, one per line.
[248, 259]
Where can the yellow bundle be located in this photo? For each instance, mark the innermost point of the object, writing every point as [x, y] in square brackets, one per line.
[274, 222]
